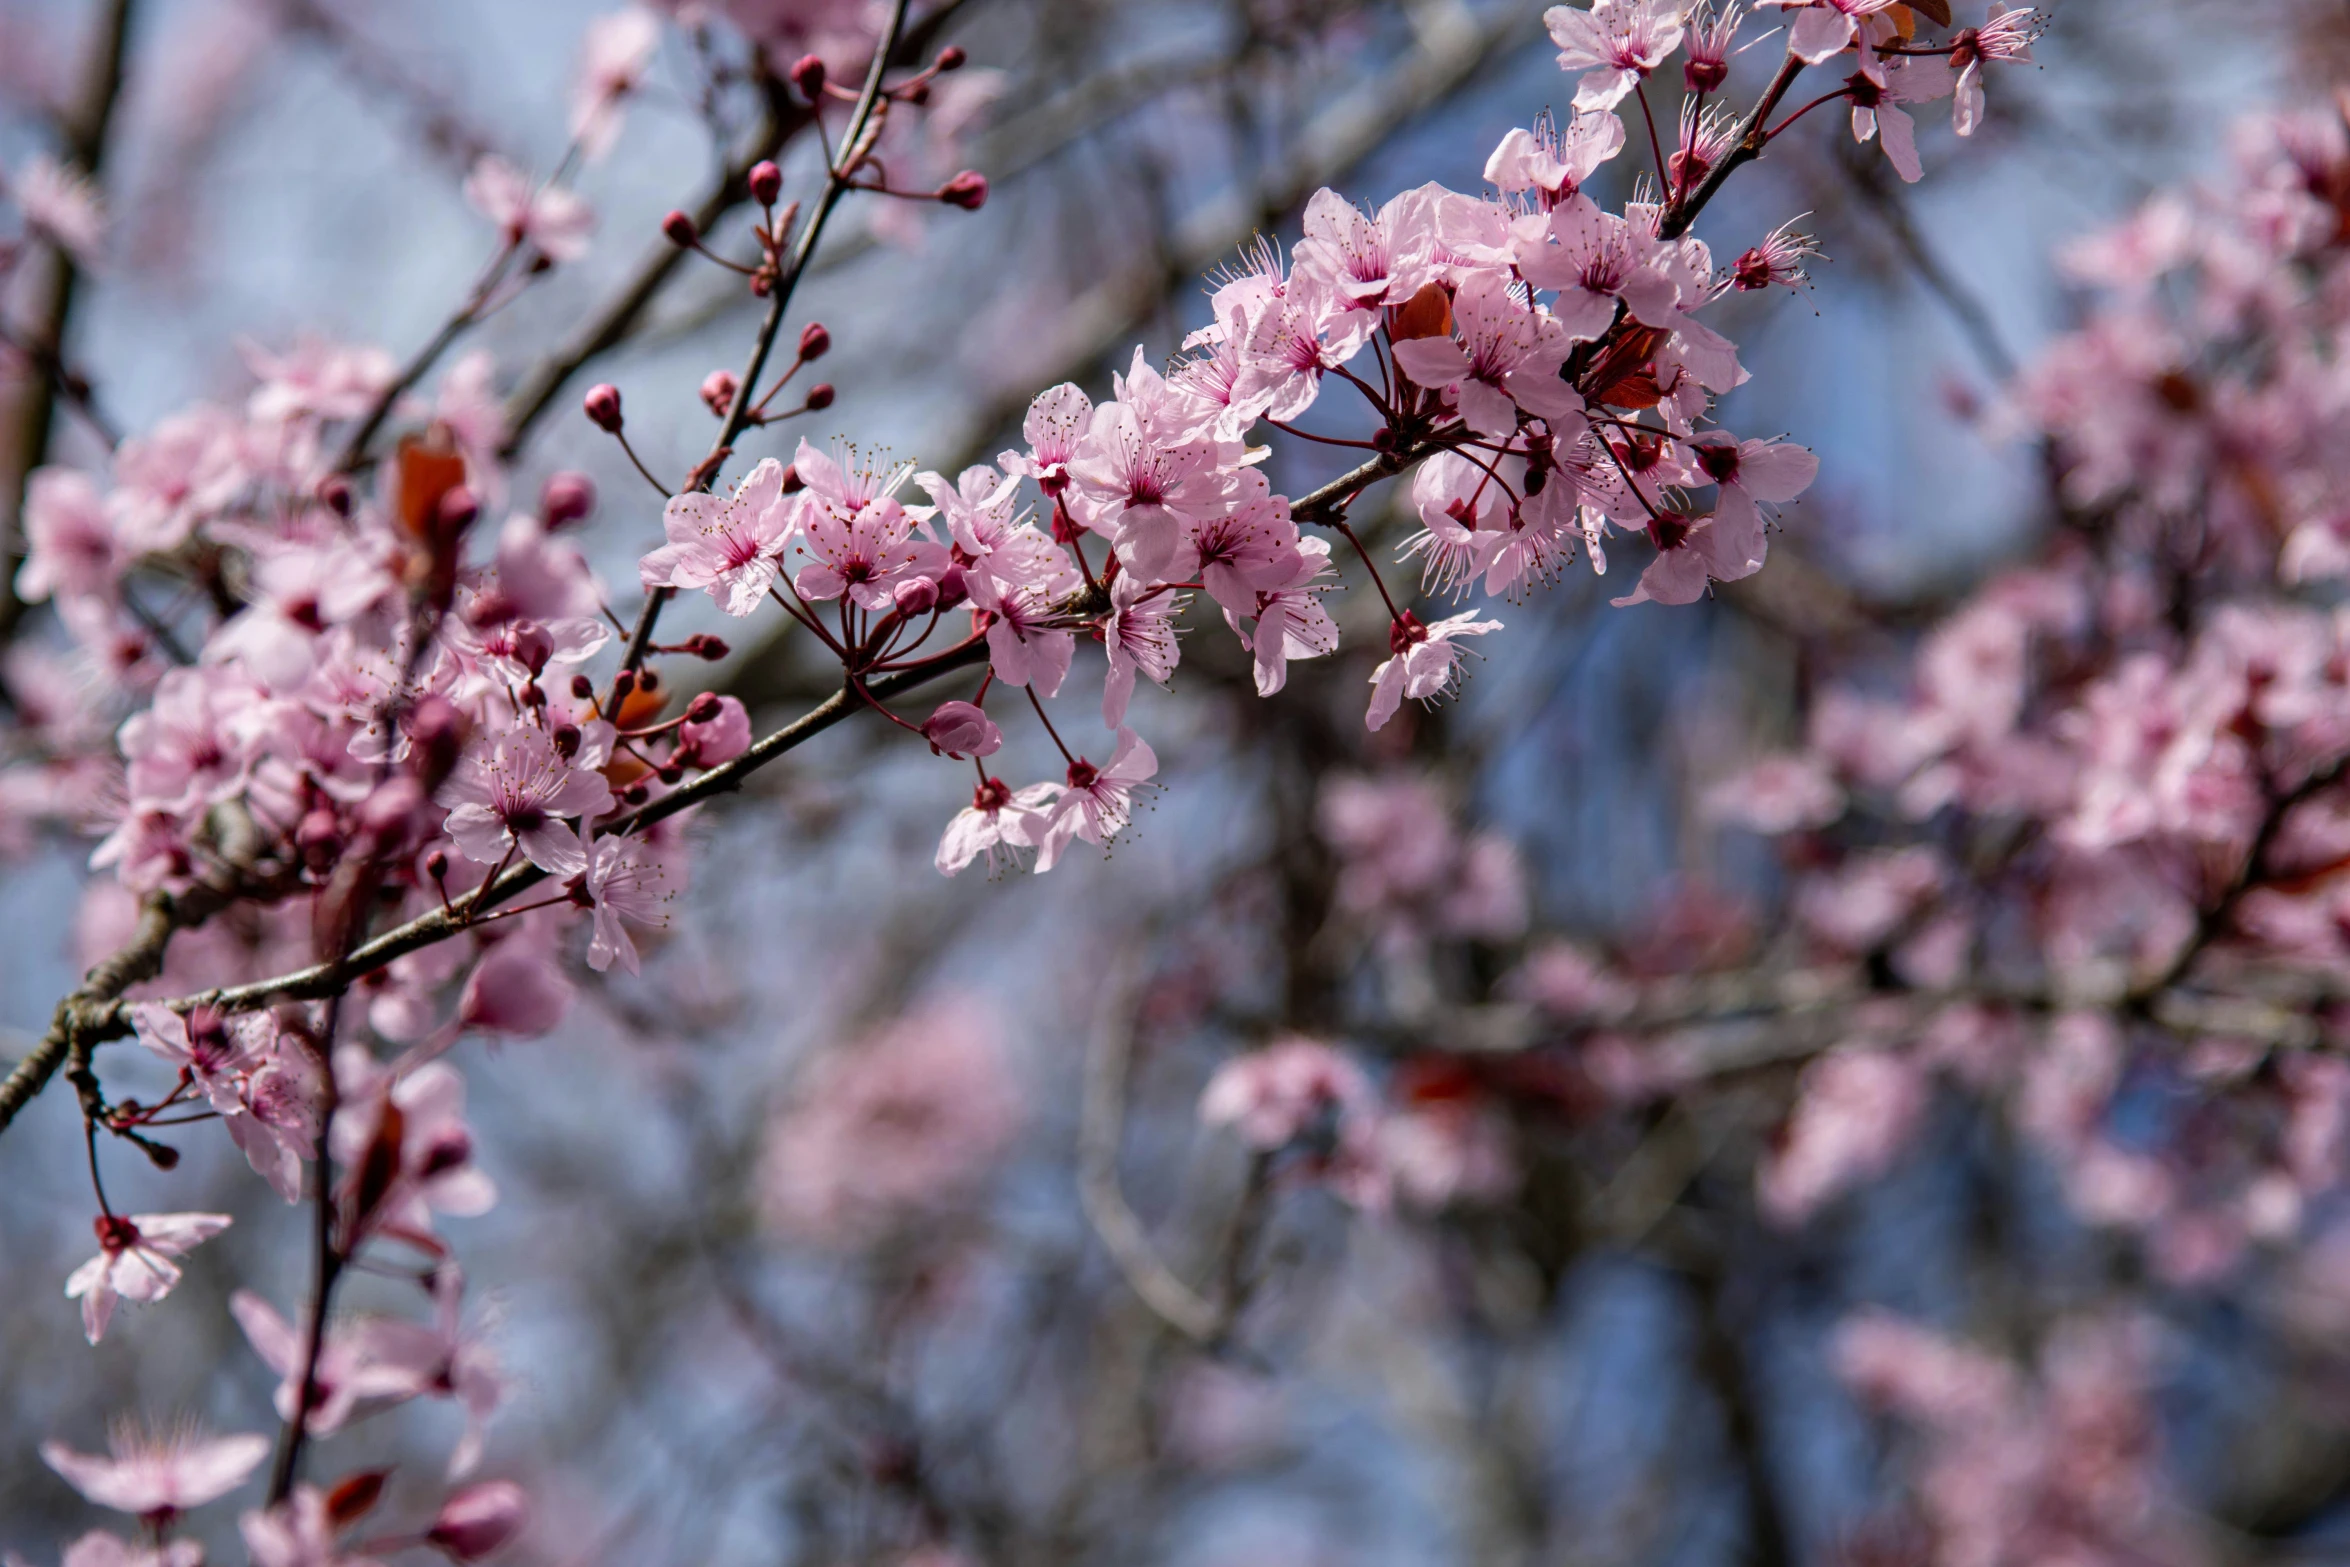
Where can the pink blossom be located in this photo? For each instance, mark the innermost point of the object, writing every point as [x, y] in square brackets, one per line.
[2007, 35]
[1506, 356]
[1098, 802]
[728, 547]
[70, 545]
[902, 1122]
[158, 1476]
[192, 748]
[1825, 28]
[419, 1118]
[61, 205]
[994, 824]
[554, 221]
[1594, 260]
[134, 1262]
[1778, 794]
[1424, 663]
[316, 379]
[716, 740]
[626, 882]
[1139, 635]
[513, 795]
[1299, 1092]
[1855, 1111]
[517, 988]
[617, 50]
[1614, 44]
[1291, 621]
[297, 1532]
[1553, 162]
[1055, 423]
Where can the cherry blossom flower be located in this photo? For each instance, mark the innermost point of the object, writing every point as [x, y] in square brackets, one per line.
[1594, 259]
[62, 206]
[1826, 28]
[899, 1123]
[1056, 422]
[2007, 35]
[1506, 356]
[995, 823]
[1750, 472]
[1553, 162]
[626, 882]
[1139, 635]
[730, 547]
[1877, 112]
[1855, 1112]
[613, 59]
[70, 545]
[1615, 44]
[1025, 647]
[1098, 802]
[1423, 662]
[316, 379]
[419, 1117]
[1299, 1092]
[479, 1520]
[297, 1532]
[134, 1262]
[1291, 621]
[552, 220]
[512, 797]
[158, 1476]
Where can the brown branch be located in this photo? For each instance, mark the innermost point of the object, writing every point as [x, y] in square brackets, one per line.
[84, 134]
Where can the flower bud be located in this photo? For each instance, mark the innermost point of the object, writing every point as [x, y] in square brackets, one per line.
[623, 683]
[480, 1519]
[566, 498]
[808, 76]
[1702, 76]
[436, 864]
[391, 808]
[648, 680]
[915, 596]
[705, 646]
[335, 492]
[718, 389]
[566, 738]
[820, 396]
[533, 646]
[456, 510]
[437, 730]
[603, 406]
[715, 736]
[967, 190]
[582, 688]
[960, 729]
[766, 182]
[815, 342]
[679, 230]
[951, 58]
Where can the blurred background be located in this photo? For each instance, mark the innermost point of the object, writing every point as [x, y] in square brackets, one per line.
[793, 1259]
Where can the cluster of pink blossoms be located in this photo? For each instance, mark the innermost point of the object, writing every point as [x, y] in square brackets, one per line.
[351, 704]
[1538, 357]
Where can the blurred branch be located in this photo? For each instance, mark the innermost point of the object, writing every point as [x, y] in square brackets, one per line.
[622, 314]
[82, 130]
[1099, 1135]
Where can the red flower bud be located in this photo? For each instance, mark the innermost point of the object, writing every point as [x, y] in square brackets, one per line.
[702, 708]
[566, 498]
[766, 182]
[951, 58]
[808, 77]
[603, 406]
[679, 230]
[718, 389]
[815, 342]
[967, 190]
[820, 396]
